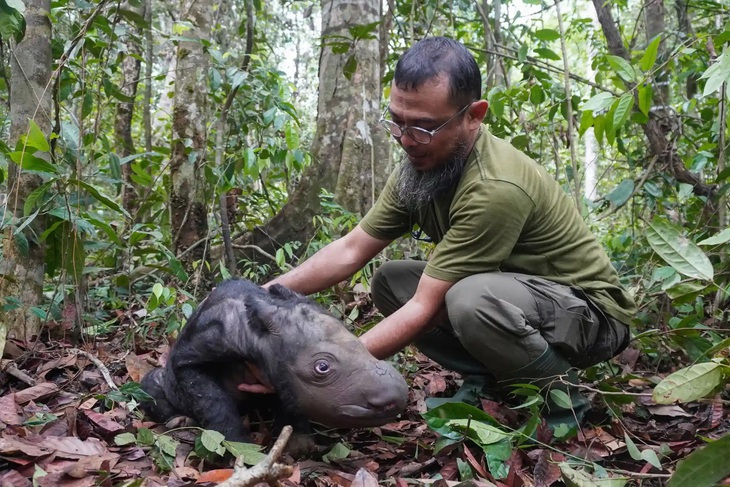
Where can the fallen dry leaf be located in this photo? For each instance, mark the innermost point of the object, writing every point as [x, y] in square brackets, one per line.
[13, 445]
[71, 447]
[668, 410]
[218, 475]
[9, 410]
[102, 422]
[138, 366]
[364, 478]
[38, 391]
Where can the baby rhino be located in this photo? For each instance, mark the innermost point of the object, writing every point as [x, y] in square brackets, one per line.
[244, 333]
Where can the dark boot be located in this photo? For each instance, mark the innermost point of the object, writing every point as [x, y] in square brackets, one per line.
[551, 372]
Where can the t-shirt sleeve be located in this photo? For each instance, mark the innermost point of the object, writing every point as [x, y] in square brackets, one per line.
[485, 225]
[387, 220]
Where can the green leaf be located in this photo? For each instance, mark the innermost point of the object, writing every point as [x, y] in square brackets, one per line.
[547, 54]
[685, 289]
[107, 229]
[646, 97]
[350, 67]
[601, 101]
[717, 74]
[36, 138]
[547, 34]
[12, 25]
[649, 57]
[688, 384]
[212, 441]
[631, 447]
[105, 200]
[720, 238]
[621, 193]
[338, 452]
[167, 445]
[124, 439]
[30, 162]
[145, 436]
[580, 478]
[704, 467]
[623, 110]
[33, 197]
[16, 4]
[482, 433]
[250, 453]
[650, 456]
[561, 398]
[678, 251]
[622, 67]
[292, 138]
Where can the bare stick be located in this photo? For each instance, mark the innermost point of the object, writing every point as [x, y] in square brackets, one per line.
[9, 367]
[100, 365]
[268, 470]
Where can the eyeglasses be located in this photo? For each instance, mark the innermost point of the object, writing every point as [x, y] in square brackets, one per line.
[422, 136]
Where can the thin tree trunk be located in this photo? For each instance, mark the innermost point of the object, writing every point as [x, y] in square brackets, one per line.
[349, 150]
[147, 101]
[125, 111]
[188, 210]
[21, 267]
[658, 143]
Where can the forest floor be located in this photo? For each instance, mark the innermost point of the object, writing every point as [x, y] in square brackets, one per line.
[59, 417]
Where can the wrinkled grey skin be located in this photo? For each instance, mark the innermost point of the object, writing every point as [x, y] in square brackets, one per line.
[320, 371]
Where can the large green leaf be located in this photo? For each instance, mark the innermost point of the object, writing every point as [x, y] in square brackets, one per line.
[599, 102]
[621, 193]
[36, 138]
[649, 57]
[482, 433]
[547, 34]
[622, 67]
[623, 110]
[580, 478]
[704, 467]
[720, 238]
[105, 200]
[689, 384]
[646, 97]
[677, 250]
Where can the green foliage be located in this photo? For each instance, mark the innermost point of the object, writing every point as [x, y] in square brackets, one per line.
[704, 467]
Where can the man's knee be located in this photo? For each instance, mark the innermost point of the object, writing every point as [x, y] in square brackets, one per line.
[394, 283]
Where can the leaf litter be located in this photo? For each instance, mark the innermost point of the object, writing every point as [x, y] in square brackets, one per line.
[60, 430]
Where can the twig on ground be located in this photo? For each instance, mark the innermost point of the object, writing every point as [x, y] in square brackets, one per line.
[100, 365]
[8, 366]
[268, 470]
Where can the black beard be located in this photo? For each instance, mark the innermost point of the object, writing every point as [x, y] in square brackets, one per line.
[416, 189]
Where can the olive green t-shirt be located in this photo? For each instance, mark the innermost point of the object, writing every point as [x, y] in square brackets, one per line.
[506, 214]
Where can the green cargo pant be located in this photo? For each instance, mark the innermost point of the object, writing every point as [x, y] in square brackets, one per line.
[500, 323]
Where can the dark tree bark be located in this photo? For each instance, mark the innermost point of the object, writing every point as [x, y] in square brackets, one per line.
[22, 270]
[348, 149]
[188, 209]
[125, 112]
[659, 143]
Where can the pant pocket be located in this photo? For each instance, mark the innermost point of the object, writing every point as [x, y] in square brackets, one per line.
[568, 323]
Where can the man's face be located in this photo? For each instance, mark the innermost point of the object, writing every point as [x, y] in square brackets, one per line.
[428, 107]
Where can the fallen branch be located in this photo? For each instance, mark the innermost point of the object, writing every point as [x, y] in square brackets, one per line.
[100, 365]
[268, 470]
[8, 366]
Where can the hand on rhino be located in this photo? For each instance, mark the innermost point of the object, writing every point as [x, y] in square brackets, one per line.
[245, 342]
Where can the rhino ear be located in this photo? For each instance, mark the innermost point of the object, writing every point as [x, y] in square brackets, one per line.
[281, 292]
[264, 315]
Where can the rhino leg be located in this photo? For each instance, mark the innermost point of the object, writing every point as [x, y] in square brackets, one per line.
[206, 398]
[159, 409]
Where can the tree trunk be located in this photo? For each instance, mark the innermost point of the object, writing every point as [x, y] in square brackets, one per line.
[654, 130]
[188, 211]
[21, 267]
[654, 14]
[125, 111]
[350, 153]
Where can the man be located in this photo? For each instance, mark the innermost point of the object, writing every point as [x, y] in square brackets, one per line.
[517, 288]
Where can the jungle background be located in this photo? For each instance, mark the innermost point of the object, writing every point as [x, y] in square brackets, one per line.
[151, 149]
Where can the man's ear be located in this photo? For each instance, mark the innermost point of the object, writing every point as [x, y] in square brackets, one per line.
[476, 113]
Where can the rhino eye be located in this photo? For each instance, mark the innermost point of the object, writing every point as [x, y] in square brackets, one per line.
[322, 367]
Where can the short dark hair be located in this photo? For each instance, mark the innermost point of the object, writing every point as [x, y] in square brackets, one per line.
[433, 56]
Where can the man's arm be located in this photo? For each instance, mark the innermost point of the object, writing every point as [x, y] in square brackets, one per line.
[402, 327]
[332, 264]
